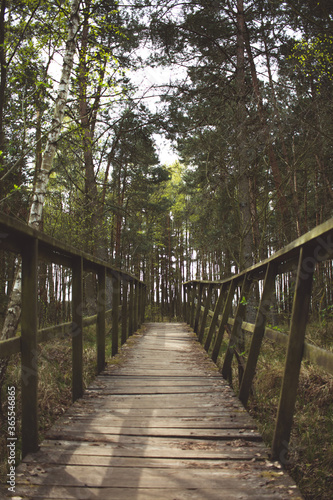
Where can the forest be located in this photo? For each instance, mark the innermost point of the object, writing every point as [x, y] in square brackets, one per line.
[94, 96]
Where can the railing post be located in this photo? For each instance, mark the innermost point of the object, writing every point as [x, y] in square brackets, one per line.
[29, 361]
[77, 329]
[135, 303]
[100, 324]
[115, 312]
[224, 321]
[218, 307]
[131, 309]
[205, 314]
[124, 312]
[184, 302]
[301, 303]
[193, 294]
[258, 333]
[197, 314]
[237, 326]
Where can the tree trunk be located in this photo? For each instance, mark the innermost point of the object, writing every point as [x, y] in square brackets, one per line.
[36, 210]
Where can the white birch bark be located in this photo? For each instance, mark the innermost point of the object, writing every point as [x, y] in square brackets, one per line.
[36, 210]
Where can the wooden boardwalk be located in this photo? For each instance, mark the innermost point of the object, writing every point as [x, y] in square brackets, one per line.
[163, 425]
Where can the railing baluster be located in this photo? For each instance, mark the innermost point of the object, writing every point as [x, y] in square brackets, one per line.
[131, 309]
[217, 309]
[115, 312]
[193, 295]
[136, 304]
[197, 313]
[224, 320]
[100, 323]
[237, 326]
[77, 328]
[301, 303]
[258, 333]
[29, 361]
[124, 312]
[205, 314]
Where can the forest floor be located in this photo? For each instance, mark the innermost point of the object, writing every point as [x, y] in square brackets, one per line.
[310, 460]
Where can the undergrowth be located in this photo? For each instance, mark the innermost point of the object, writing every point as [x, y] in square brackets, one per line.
[310, 458]
[54, 386]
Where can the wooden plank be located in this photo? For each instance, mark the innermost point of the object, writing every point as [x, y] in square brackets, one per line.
[258, 334]
[198, 309]
[215, 317]
[115, 312]
[184, 432]
[224, 319]
[124, 312]
[29, 356]
[205, 313]
[237, 326]
[100, 323]
[77, 329]
[301, 304]
[9, 347]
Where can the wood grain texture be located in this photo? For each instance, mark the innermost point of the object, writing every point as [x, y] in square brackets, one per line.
[163, 425]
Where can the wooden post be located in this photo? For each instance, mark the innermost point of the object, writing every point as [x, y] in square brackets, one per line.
[258, 333]
[301, 303]
[29, 361]
[100, 324]
[184, 303]
[131, 309]
[205, 314]
[136, 304]
[237, 326]
[218, 307]
[193, 294]
[224, 320]
[115, 312]
[197, 314]
[124, 312]
[77, 329]
[144, 296]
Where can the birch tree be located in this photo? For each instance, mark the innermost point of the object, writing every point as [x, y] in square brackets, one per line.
[42, 177]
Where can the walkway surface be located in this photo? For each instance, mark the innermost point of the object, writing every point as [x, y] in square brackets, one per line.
[163, 425]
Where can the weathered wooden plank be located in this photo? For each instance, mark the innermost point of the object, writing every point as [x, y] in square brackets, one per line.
[183, 434]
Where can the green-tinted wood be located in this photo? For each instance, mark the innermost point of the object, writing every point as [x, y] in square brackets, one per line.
[9, 347]
[217, 309]
[131, 309]
[193, 297]
[224, 320]
[237, 326]
[124, 312]
[198, 308]
[100, 323]
[77, 329]
[29, 359]
[258, 334]
[115, 312]
[205, 313]
[301, 303]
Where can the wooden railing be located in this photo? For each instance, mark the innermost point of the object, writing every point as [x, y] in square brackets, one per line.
[126, 288]
[301, 257]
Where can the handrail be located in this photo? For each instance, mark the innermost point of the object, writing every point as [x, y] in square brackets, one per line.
[301, 257]
[33, 245]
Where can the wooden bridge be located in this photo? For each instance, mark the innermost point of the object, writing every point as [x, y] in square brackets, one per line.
[163, 424]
